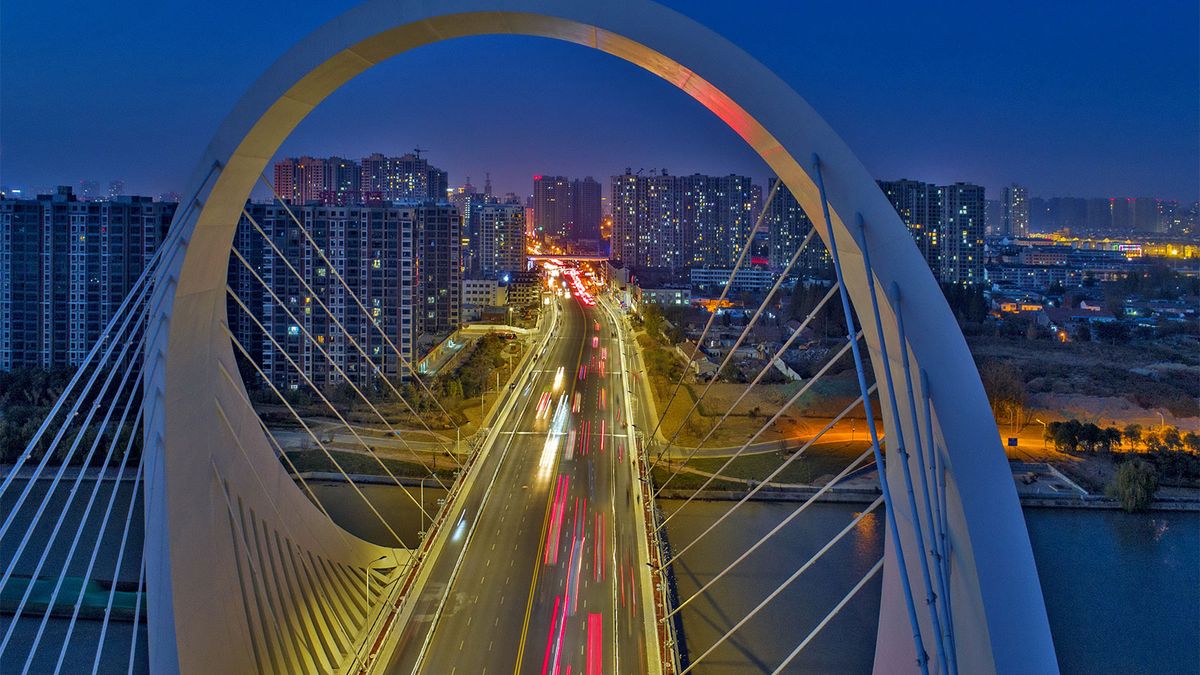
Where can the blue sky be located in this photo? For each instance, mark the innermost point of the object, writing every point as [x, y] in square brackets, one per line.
[1066, 101]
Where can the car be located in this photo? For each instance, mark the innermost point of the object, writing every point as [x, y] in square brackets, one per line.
[512, 386]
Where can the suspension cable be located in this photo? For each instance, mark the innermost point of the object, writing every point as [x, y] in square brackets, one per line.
[41, 509]
[765, 481]
[338, 276]
[829, 617]
[738, 343]
[332, 408]
[329, 359]
[112, 341]
[812, 499]
[116, 573]
[937, 480]
[137, 614]
[902, 448]
[314, 295]
[949, 661]
[787, 582]
[105, 520]
[757, 378]
[62, 515]
[919, 644]
[313, 436]
[778, 413]
[724, 294]
[83, 520]
[282, 455]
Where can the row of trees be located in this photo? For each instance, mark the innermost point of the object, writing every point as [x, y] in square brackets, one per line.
[1074, 436]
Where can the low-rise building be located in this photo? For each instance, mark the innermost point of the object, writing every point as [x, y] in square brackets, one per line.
[479, 294]
[662, 296]
[525, 288]
[745, 280]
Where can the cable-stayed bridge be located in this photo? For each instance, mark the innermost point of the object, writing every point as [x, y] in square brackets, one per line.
[548, 551]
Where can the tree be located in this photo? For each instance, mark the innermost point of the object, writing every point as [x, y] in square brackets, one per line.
[1134, 485]
[1111, 439]
[653, 320]
[1152, 442]
[1065, 435]
[1171, 439]
[1133, 435]
[1083, 332]
[1192, 441]
[1090, 436]
[1004, 386]
[1112, 332]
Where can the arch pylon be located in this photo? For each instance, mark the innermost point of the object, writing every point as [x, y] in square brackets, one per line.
[244, 572]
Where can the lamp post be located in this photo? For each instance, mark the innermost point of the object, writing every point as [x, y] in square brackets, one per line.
[368, 596]
[1045, 430]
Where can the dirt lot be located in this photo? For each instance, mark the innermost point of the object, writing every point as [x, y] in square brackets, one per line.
[1113, 384]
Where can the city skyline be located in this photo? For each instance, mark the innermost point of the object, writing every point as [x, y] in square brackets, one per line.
[1082, 123]
[325, 405]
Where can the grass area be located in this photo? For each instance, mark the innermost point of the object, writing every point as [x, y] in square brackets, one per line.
[359, 463]
[461, 391]
[827, 397]
[819, 461]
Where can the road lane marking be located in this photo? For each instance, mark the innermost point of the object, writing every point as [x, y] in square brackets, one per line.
[541, 544]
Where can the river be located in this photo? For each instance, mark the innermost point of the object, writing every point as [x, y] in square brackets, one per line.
[1122, 590]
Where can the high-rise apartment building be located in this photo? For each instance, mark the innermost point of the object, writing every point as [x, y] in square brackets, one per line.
[88, 190]
[400, 262]
[410, 176]
[961, 238]
[1014, 204]
[501, 239]
[585, 209]
[335, 181]
[788, 226]
[1121, 213]
[1169, 216]
[438, 237]
[947, 224]
[566, 209]
[552, 208]
[65, 267]
[919, 205]
[717, 214]
[1097, 213]
[1145, 214]
[675, 222]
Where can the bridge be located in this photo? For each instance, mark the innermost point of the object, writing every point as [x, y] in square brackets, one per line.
[548, 551]
[572, 257]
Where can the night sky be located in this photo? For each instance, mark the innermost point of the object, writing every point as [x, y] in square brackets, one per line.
[1082, 99]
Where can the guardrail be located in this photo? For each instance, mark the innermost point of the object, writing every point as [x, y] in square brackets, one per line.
[410, 575]
[666, 635]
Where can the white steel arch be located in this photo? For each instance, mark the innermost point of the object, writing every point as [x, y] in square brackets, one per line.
[214, 483]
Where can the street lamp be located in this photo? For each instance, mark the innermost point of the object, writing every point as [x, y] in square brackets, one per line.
[1045, 430]
[368, 596]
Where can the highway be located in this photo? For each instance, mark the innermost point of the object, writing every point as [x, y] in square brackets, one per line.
[542, 567]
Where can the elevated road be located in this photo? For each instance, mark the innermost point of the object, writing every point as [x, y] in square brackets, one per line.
[543, 569]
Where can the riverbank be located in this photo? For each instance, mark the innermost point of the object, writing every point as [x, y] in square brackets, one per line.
[863, 496]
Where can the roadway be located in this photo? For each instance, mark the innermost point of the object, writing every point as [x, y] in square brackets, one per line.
[541, 573]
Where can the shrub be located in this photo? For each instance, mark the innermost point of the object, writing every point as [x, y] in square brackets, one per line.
[1134, 485]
